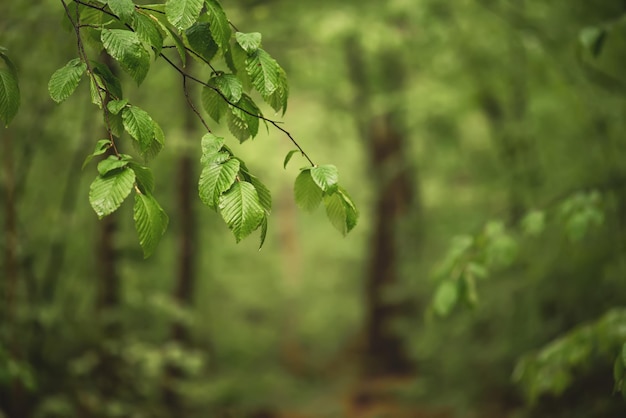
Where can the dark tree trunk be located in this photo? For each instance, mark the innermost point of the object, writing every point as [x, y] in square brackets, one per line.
[384, 133]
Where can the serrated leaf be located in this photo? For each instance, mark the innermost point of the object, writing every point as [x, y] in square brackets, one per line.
[445, 298]
[107, 193]
[65, 80]
[278, 99]
[126, 48]
[288, 157]
[239, 59]
[200, 40]
[9, 94]
[157, 143]
[336, 212]
[230, 86]
[250, 42]
[307, 193]
[211, 145]
[183, 13]
[240, 120]
[265, 196]
[101, 147]
[122, 8]
[215, 179]
[241, 210]
[150, 222]
[111, 163]
[148, 31]
[212, 102]
[96, 89]
[263, 71]
[139, 125]
[114, 106]
[352, 213]
[325, 176]
[109, 80]
[143, 177]
[220, 27]
[180, 46]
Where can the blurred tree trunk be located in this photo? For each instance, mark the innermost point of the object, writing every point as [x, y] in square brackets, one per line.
[385, 136]
[187, 256]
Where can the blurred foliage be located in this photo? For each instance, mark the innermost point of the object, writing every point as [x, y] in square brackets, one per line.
[511, 268]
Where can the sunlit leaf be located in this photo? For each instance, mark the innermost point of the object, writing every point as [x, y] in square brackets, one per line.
[126, 48]
[65, 80]
[308, 194]
[183, 13]
[241, 209]
[215, 179]
[150, 221]
[107, 193]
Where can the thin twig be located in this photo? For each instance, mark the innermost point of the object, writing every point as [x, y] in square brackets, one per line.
[192, 106]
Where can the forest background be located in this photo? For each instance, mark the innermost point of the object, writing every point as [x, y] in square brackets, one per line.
[483, 142]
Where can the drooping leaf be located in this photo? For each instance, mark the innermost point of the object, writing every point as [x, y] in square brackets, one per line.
[250, 42]
[123, 9]
[107, 193]
[101, 147]
[278, 99]
[215, 179]
[220, 28]
[238, 64]
[263, 71]
[336, 212]
[265, 196]
[143, 177]
[139, 125]
[230, 86]
[240, 120]
[212, 102]
[148, 31]
[241, 210]
[109, 80]
[9, 90]
[180, 46]
[263, 231]
[157, 143]
[65, 80]
[211, 146]
[288, 157]
[200, 40]
[126, 48]
[114, 106]
[307, 193]
[97, 89]
[111, 163]
[150, 221]
[325, 176]
[352, 213]
[183, 13]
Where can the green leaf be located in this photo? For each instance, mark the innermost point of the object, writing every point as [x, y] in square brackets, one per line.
[157, 143]
[212, 102]
[115, 106]
[336, 212]
[139, 125]
[101, 147]
[215, 179]
[211, 146]
[109, 79]
[263, 71]
[9, 91]
[126, 48]
[240, 120]
[239, 64]
[288, 157]
[148, 31]
[265, 197]
[183, 13]
[241, 210]
[307, 193]
[220, 27]
[180, 46]
[278, 99]
[111, 163]
[65, 80]
[533, 223]
[325, 176]
[200, 40]
[445, 298]
[143, 177]
[250, 42]
[150, 221]
[107, 193]
[352, 213]
[230, 86]
[263, 232]
[123, 9]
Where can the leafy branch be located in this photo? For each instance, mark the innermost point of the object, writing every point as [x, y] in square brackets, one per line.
[199, 28]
